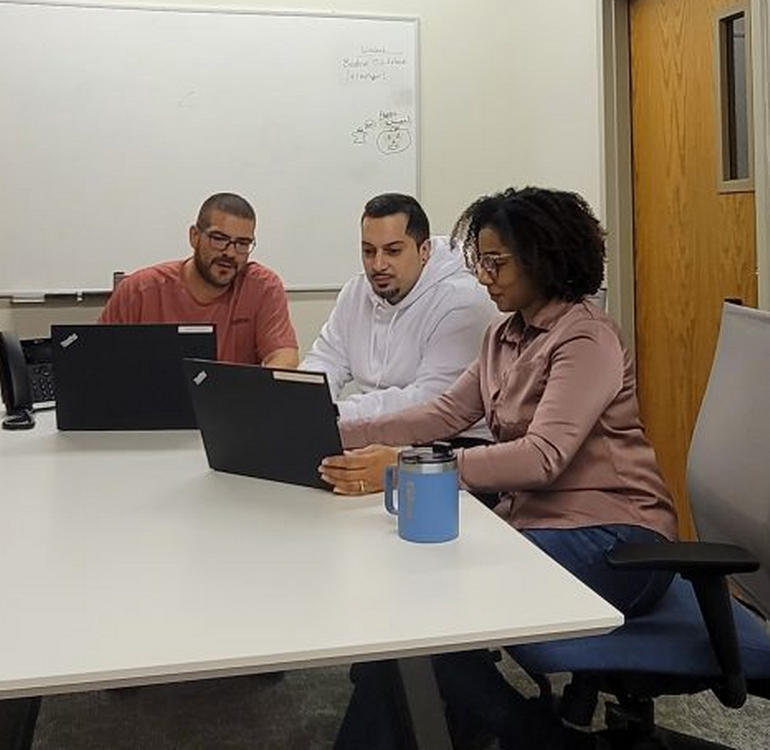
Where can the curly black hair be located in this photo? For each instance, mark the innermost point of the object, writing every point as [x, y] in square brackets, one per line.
[553, 234]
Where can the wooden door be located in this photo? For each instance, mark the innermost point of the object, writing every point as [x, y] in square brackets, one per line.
[694, 246]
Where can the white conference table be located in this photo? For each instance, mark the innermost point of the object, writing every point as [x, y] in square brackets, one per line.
[126, 561]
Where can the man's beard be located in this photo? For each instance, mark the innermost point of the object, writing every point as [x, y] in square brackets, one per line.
[391, 294]
[205, 272]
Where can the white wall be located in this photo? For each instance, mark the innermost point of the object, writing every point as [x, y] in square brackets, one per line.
[510, 95]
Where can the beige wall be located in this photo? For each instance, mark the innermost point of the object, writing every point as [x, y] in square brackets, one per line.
[509, 95]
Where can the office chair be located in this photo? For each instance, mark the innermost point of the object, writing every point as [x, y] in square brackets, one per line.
[697, 637]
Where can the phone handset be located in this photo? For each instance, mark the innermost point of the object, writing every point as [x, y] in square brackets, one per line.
[15, 384]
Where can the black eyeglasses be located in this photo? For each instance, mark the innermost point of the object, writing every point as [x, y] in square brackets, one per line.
[220, 242]
[490, 263]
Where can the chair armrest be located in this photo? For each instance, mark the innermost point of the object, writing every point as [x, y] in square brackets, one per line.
[705, 565]
[687, 558]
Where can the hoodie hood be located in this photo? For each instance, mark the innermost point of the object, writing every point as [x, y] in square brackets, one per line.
[443, 262]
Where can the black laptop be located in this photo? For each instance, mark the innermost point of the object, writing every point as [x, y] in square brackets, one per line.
[126, 377]
[263, 422]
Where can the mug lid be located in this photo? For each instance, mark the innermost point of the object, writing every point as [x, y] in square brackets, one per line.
[437, 453]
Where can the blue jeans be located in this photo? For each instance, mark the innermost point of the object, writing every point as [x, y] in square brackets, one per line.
[469, 681]
[584, 551]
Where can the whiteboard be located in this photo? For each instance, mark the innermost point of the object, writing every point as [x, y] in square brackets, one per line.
[116, 123]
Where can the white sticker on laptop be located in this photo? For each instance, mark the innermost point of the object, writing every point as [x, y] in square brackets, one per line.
[194, 329]
[297, 376]
[71, 339]
[200, 377]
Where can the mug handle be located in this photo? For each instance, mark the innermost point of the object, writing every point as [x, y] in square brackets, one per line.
[391, 483]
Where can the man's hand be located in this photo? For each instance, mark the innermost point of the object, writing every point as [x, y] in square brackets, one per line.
[286, 359]
[359, 471]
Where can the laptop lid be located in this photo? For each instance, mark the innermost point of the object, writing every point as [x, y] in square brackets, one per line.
[126, 377]
[263, 422]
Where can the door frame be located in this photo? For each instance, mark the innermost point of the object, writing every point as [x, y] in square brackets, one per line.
[617, 172]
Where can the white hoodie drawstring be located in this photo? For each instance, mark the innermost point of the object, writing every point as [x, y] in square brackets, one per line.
[387, 348]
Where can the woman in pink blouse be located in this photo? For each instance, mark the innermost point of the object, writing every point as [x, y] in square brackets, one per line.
[571, 462]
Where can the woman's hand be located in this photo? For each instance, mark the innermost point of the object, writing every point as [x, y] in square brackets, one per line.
[358, 471]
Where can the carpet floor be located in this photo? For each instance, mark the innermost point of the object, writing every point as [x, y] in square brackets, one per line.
[299, 712]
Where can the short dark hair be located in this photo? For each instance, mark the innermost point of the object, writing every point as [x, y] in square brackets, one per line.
[227, 203]
[387, 204]
[553, 234]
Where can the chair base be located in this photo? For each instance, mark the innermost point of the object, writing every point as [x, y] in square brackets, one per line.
[630, 721]
[661, 739]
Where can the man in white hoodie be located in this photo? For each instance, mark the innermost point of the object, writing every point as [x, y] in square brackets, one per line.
[404, 329]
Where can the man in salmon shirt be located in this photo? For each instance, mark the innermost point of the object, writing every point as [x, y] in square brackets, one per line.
[217, 284]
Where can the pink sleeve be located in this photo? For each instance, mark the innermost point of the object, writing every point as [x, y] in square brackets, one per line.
[585, 376]
[273, 328]
[124, 305]
[444, 417]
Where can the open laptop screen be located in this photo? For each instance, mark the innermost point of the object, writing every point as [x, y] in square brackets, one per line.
[263, 422]
[126, 377]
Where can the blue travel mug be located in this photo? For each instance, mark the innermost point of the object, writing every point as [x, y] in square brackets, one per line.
[428, 506]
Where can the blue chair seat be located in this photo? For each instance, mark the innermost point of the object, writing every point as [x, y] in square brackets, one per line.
[670, 639]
